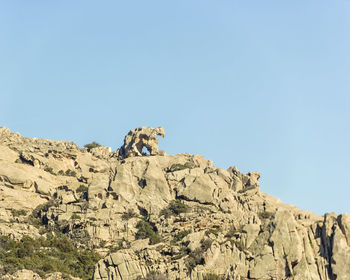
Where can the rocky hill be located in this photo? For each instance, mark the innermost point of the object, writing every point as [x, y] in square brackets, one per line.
[88, 213]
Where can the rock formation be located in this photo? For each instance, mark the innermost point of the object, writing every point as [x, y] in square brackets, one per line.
[160, 216]
[139, 138]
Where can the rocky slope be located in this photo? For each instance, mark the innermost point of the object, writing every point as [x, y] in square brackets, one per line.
[154, 216]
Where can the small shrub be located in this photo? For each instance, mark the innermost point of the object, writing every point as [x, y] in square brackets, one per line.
[194, 258]
[44, 256]
[92, 145]
[82, 189]
[247, 189]
[233, 231]
[36, 222]
[17, 213]
[266, 215]
[197, 256]
[128, 215]
[166, 212]
[181, 235]
[179, 166]
[75, 217]
[212, 276]
[153, 276]
[175, 207]
[122, 244]
[147, 230]
[50, 170]
[183, 251]
[40, 209]
[7, 243]
[206, 244]
[214, 231]
[70, 173]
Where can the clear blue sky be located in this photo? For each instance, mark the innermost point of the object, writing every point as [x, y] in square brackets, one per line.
[263, 85]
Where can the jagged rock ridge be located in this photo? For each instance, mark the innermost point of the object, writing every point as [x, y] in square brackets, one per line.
[176, 216]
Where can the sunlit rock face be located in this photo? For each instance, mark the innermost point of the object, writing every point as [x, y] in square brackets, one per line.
[161, 216]
[139, 138]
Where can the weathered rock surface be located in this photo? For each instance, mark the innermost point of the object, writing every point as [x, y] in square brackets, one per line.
[199, 220]
[139, 138]
[25, 274]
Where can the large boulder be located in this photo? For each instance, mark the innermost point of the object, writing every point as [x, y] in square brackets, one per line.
[141, 137]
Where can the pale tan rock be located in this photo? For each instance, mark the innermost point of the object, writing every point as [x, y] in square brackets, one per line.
[200, 190]
[253, 180]
[194, 239]
[286, 241]
[139, 138]
[140, 244]
[4, 131]
[341, 253]
[238, 231]
[21, 198]
[250, 233]
[20, 175]
[142, 181]
[97, 189]
[101, 152]
[7, 155]
[304, 271]
[344, 223]
[58, 276]
[124, 265]
[66, 196]
[23, 274]
[264, 268]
